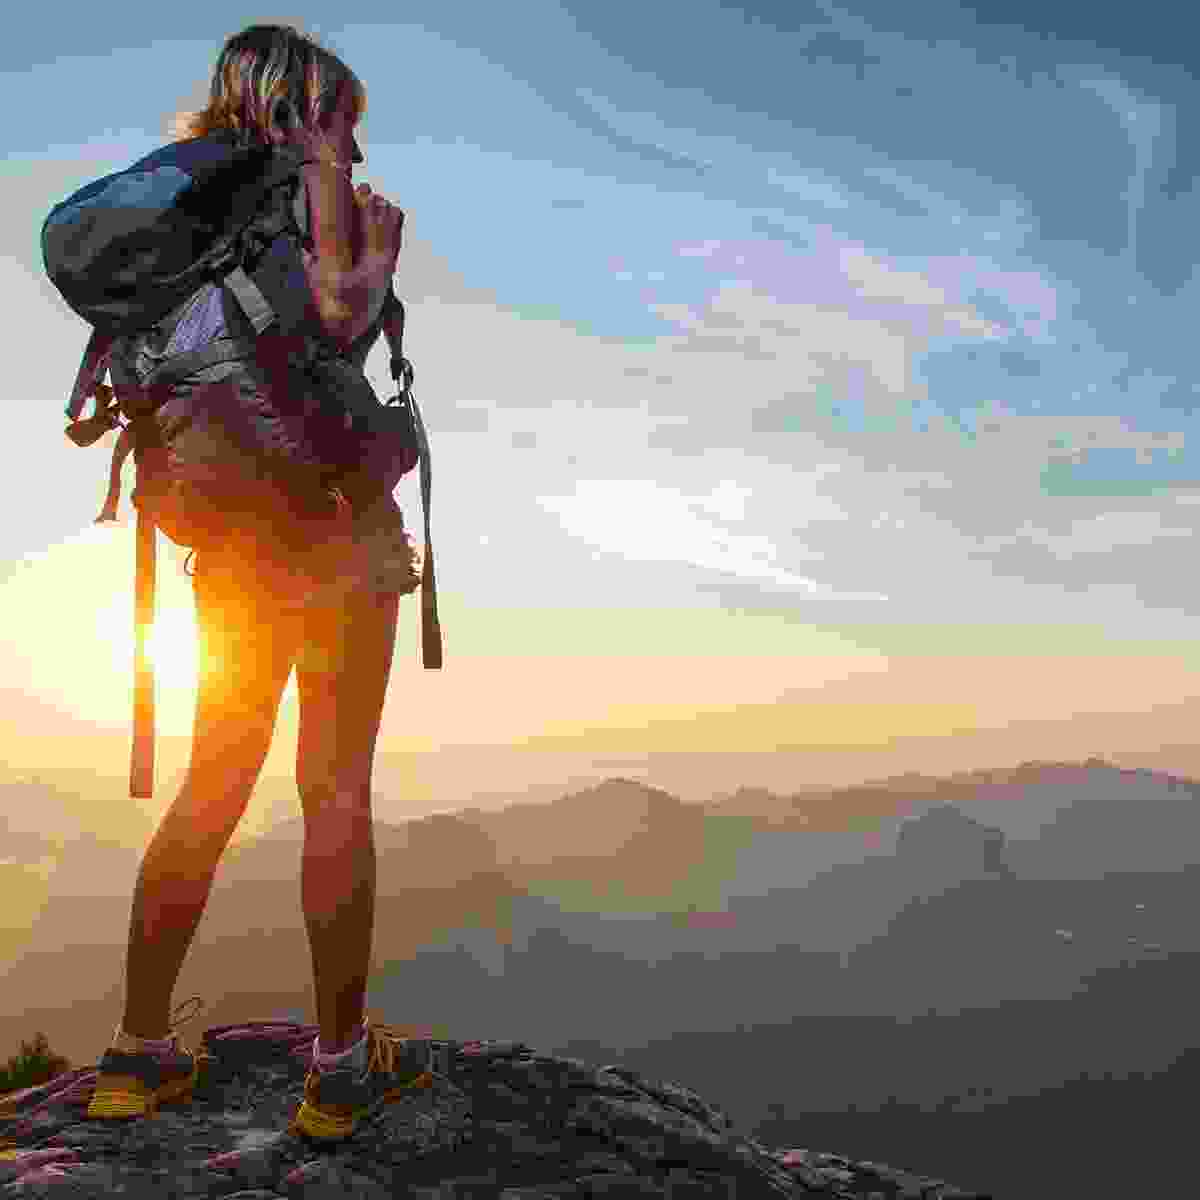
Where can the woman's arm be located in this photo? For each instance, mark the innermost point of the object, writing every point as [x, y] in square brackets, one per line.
[364, 290]
[351, 271]
[331, 217]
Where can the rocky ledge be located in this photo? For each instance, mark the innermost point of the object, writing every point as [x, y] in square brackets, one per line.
[499, 1120]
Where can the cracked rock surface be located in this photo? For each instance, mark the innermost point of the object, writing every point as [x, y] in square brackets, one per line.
[500, 1120]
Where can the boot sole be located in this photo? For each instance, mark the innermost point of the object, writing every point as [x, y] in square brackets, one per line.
[321, 1125]
[126, 1096]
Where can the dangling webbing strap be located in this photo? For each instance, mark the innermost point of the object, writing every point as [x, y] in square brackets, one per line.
[402, 373]
[431, 629]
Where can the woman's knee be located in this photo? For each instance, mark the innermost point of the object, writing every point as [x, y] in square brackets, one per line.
[229, 748]
[333, 800]
[228, 757]
[209, 807]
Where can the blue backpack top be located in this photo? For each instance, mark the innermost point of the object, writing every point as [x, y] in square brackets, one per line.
[127, 249]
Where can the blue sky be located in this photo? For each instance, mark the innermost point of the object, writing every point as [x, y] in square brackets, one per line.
[868, 315]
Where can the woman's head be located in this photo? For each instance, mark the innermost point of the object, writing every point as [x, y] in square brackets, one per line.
[269, 77]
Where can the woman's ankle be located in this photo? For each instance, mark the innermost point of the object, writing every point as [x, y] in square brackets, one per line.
[339, 1045]
[149, 1031]
[124, 1040]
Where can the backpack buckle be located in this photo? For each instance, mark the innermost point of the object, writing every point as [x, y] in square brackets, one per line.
[402, 369]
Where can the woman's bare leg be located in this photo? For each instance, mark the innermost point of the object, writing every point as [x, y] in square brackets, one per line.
[342, 672]
[245, 664]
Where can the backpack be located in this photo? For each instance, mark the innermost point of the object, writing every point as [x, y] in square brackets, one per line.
[272, 422]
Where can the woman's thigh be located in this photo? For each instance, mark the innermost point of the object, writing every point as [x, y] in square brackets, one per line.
[246, 654]
[343, 664]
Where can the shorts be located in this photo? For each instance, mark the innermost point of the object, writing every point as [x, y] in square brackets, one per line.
[373, 553]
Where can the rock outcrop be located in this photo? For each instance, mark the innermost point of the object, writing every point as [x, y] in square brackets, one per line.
[499, 1120]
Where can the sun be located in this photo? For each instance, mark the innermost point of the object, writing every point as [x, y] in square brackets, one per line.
[72, 606]
[172, 644]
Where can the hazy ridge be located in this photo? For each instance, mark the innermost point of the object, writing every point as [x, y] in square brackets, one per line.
[977, 940]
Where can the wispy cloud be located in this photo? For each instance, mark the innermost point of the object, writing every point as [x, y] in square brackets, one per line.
[642, 521]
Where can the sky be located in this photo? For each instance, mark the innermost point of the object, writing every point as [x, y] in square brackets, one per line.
[796, 374]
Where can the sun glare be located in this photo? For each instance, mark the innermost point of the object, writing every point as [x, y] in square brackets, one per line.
[172, 645]
[73, 605]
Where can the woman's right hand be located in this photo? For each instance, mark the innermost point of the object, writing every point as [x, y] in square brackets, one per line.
[381, 221]
[317, 145]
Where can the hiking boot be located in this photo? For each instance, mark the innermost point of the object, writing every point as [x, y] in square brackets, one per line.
[135, 1083]
[335, 1101]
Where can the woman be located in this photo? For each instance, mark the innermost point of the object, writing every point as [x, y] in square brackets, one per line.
[338, 632]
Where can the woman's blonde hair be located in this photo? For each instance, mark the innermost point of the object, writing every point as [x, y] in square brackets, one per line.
[271, 75]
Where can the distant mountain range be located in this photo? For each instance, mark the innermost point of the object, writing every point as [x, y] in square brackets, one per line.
[619, 918]
[630, 870]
